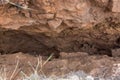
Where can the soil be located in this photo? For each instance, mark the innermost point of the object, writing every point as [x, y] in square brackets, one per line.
[96, 65]
[25, 38]
[97, 40]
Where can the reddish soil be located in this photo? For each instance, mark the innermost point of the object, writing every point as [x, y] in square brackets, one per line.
[84, 38]
[95, 65]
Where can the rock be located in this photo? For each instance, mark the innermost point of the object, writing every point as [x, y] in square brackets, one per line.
[116, 6]
[116, 52]
[54, 23]
[51, 13]
[72, 55]
[46, 16]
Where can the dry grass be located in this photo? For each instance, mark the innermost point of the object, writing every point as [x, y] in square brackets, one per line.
[80, 75]
[25, 6]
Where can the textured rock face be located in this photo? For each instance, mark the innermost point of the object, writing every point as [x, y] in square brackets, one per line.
[70, 12]
[58, 14]
[116, 6]
[91, 26]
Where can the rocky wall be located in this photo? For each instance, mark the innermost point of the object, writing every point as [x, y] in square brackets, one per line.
[57, 14]
[46, 26]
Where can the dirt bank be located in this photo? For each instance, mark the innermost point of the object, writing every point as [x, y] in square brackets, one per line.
[82, 35]
[100, 39]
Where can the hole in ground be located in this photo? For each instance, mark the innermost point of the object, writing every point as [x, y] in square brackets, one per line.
[69, 40]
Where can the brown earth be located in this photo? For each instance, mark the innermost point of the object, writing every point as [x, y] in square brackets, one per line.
[96, 65]
[56, 26]
[98, 40]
